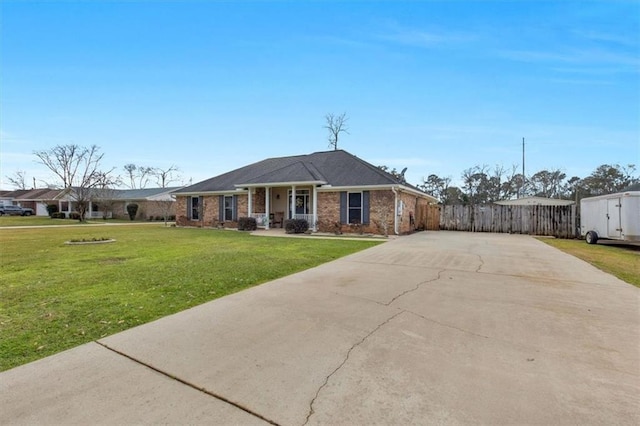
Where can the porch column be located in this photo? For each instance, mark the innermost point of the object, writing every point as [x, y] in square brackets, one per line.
[267, 199]
[315, 208]
[249, 202]
[293, 202]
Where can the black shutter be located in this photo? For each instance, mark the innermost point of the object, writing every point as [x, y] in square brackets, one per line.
[343, 207]
[365, 207]
[235, 207]
[221, 208]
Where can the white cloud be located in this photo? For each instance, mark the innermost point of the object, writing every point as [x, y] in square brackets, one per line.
[426, 38]
[595, 57]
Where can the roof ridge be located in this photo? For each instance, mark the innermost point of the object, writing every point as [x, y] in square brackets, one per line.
[279, 169]
[315, 172]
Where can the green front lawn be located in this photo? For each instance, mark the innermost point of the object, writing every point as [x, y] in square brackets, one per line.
[622, 261]
[46, 221]
[55, 296]
[34, 221]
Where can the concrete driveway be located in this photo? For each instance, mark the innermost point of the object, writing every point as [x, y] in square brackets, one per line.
[433, 328]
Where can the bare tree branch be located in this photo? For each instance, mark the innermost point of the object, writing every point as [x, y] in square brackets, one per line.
[78, 168]
[336, 124]
[18, 179]
[138, 176]
[164, 177]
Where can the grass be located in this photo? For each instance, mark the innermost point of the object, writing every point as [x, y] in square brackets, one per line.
[55, 296]
[46, 221]
[622, 261]
[34, 221]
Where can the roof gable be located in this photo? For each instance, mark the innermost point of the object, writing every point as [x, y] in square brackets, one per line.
[141, 194]
[334, 168]
[299, 172]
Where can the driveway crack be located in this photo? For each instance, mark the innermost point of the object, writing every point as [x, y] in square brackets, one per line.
[447, 325]
[481, 263]
[416, 287]
[344, 361]
[189, 384]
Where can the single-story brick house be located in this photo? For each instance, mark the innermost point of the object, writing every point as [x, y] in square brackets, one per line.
[36, 199]
[152, 202]
[112, 203]
[334, 191]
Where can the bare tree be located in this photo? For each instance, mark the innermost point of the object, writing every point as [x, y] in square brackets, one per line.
[476, 184]
[166, 207]
[78, 168]
[138, 176]
[336, 124]
[18, 179]
[436, 186]
[106, 199]
[164, 177]
[131, 174]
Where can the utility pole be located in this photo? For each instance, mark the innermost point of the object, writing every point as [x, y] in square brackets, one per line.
[523, 157]
[523, 175]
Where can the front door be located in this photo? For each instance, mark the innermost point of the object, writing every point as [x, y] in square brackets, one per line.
[613, 216]
[301, 204]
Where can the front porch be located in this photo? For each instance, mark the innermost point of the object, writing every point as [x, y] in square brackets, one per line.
[272, 205]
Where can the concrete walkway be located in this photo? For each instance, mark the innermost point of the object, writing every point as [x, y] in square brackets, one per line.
[433, 328]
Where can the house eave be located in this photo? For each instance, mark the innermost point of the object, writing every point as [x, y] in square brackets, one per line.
[400, 187]
[200, 193]
[274, 184]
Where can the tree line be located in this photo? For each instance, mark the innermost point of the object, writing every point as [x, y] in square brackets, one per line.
[485, 185]
[81, 168]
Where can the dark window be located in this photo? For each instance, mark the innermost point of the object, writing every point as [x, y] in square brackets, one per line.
[194, 208]
[355, 207]
[228, 208]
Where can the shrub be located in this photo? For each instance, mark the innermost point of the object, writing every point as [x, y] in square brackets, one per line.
[171, 218]
[58, 215]
[132, 209]
[247, 224]
[296, 226]
[150, 219]
[51, 209]
[74, 215]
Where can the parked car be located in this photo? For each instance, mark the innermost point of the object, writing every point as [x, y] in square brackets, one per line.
[15, 211]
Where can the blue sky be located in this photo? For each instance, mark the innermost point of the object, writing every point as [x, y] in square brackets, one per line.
[433, 86]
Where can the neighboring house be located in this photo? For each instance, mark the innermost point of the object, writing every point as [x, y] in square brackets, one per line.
[36, 199]
[112, 203]
[156, 202]
[535, 201]
[152, 202]
[334, 191]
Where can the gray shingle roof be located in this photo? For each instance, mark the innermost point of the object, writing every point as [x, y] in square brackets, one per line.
[140, 194]
[335, 168]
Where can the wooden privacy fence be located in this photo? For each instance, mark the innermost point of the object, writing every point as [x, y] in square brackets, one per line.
[558, 221]
[428, 217]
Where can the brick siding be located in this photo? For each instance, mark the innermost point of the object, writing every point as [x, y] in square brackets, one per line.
[381, 212]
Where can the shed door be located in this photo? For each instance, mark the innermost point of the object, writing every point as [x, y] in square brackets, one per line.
[613, 216]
